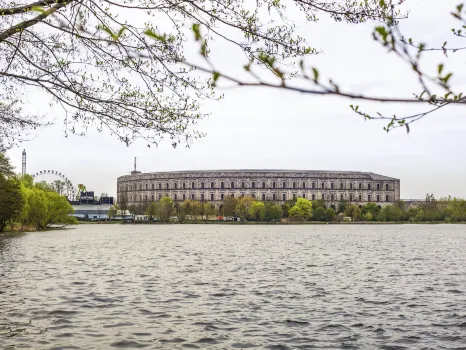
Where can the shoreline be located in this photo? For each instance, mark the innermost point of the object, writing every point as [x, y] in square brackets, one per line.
[271, 223]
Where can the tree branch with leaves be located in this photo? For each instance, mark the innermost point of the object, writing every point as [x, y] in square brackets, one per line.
[106, 68]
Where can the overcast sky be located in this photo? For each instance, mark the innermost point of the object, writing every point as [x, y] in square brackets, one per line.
[259, 128]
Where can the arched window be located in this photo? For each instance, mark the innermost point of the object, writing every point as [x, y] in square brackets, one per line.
[386, 198]
[145, 197]
[341, 185]
[222, 185]
[360, 186]
[202, 197]
[284, 196]
[242, 184]
[147, 187]
[350, 197]
[304, 195]
[378, 187]
[202, 185]
[331, 197]
[168, 186]
[331, 185]
[263, 184]
[211, 196]
[284, 184]
[176, 197]
[351, 186]
[232, 195]
[386, 187]
[294, 185]
[253, 195]
[192, 196]
[378, 198]
[176, 185]
[313, 185]
[368, 197]
[232, 185]
[294, 196]
[263, 196]
[274, 197]
[253, 184]
[160, 196]
[274, 184]
[152, 197]
[360, 198]
[313, 197]
[211, 185]
[304, 185]
[153, 185]
[368, 186]
[323, 185]
[160, 186]
[184, 185]
[221, 196]
[323, 196]
[192, 185]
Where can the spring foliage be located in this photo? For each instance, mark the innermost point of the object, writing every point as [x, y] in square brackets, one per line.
[33, 206]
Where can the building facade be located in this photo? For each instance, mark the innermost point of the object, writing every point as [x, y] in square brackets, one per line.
[264, 185]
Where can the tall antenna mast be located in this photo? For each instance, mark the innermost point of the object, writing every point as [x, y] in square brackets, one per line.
[24, 163]
[135, 171]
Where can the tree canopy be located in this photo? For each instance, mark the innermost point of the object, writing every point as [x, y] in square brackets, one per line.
[121, 65]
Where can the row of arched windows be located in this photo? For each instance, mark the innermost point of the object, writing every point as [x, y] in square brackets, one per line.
[274, 197]
[263, 185]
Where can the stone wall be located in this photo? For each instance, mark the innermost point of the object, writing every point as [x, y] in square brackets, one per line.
[267, 185]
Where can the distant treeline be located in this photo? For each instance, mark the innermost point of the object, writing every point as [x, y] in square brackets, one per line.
[249, 209]
[29, 206]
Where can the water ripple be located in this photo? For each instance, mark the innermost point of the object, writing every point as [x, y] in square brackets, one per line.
[236, 287]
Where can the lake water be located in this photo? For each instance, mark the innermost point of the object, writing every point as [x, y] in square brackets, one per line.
[235, 287]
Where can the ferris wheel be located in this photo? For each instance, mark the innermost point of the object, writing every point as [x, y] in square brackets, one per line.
[64, 187]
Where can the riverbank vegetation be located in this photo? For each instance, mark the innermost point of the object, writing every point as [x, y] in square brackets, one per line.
[25, 205]
[247, 209]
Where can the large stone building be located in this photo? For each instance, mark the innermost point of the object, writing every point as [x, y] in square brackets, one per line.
[264, 185]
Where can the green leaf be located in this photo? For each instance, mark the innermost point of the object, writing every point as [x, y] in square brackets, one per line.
[108, 31]
[216, 76]
[447, 77]
[383, 32]
[440, 68]
[316, 74]
[120, 32]
[204, 48]
[153, 35]
[197, 31]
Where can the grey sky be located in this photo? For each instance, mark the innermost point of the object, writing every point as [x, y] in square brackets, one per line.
[263, 128]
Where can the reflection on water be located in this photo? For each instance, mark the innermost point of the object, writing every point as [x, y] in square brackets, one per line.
[218, 287]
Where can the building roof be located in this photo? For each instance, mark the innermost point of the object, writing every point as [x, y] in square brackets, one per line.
[304, 172]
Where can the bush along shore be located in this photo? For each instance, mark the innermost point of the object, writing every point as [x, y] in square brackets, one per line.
[247, 210]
